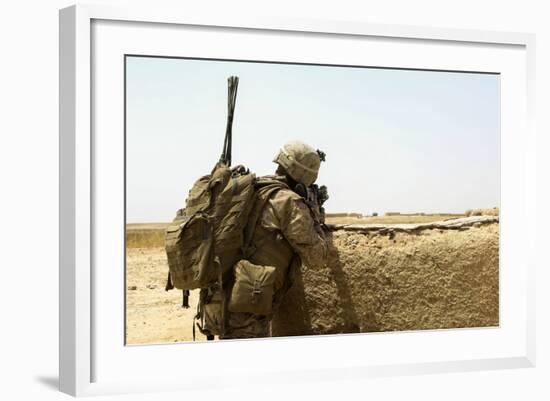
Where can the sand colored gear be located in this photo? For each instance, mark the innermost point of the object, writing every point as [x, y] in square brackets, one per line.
[300, 160]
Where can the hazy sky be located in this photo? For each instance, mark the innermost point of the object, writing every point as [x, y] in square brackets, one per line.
[396, 140]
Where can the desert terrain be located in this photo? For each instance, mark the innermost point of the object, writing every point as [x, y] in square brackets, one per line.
[385, 273]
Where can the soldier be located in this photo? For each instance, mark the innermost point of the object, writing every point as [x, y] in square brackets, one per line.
[287, 232]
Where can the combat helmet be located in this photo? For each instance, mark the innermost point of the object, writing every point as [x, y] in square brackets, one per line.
[300, 161]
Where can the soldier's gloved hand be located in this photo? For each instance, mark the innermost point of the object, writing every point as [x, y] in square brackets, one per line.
[301, 190]
[322, 195]
[310, 196]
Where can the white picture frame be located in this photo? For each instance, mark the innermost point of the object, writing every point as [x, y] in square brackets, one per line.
[81, 342]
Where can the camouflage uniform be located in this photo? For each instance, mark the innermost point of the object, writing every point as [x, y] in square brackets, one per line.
[287, 232]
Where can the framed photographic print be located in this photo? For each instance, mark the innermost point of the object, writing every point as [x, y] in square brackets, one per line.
[345, 196]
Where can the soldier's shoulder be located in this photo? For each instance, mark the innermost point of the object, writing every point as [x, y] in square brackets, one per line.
[287, 193]
[270, 180]
[276, 188]
[286, 200]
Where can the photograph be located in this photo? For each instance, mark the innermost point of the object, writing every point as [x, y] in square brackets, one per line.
[270, 199]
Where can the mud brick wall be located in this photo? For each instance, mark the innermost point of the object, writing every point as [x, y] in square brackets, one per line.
[399, 277]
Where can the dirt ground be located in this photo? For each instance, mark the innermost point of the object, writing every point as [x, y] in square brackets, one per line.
[154, 315]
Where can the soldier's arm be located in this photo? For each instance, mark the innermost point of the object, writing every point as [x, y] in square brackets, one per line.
[300, 229]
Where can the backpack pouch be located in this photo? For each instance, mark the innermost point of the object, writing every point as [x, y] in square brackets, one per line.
[253, 288]
[189, 250]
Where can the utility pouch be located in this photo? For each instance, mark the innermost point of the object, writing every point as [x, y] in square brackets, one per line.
[252, 291]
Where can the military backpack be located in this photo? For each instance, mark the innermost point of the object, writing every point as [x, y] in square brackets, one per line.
[206, 238]
[212, 233]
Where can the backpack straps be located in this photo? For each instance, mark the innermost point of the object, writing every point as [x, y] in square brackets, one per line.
[267, 188]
